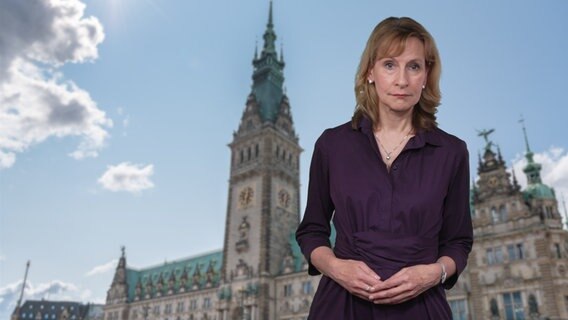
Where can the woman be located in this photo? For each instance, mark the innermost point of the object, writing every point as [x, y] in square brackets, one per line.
[396, 187]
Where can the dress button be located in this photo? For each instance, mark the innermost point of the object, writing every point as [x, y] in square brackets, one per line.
[395, 167]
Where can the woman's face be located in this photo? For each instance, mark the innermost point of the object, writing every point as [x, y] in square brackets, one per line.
[399, 80]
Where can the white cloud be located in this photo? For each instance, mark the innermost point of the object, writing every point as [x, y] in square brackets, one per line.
[55, 290]
[36, 102]
[104, 268]
[554, 172]
[127, 177]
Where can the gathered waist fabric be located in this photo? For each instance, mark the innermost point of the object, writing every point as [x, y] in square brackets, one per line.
[386, 253]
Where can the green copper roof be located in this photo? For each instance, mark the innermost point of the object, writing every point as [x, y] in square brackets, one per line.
[202, 263]
[268, 76]
[535, 187]
[539, 191]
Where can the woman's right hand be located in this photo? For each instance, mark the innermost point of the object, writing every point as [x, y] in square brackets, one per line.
[355, 276]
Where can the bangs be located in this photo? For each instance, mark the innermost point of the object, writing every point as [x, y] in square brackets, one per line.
[394, 44]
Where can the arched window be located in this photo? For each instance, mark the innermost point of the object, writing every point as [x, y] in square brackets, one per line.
[248, 153]
[256, 150]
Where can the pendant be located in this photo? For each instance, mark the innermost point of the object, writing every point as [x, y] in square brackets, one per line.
[388, 157]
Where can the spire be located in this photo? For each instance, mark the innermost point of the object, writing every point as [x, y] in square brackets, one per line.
[499, 154]
[118, 292]
[269, 35]
[515, 182]
[532, 169]
[281, 52]
[268, 78]
[522, 121]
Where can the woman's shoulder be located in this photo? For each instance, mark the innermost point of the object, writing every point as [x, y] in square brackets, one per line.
[443, 138]
[332, 136]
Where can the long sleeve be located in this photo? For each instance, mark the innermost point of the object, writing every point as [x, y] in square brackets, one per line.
[314, 230]
[456, 235]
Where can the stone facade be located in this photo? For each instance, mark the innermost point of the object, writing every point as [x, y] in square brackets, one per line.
[517, 268]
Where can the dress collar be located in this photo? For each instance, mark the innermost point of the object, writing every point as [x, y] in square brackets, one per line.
[420, 139]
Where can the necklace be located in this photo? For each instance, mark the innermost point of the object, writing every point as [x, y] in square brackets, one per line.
[393, 149]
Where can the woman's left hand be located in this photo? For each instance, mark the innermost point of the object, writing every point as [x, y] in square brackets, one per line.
[406, 284]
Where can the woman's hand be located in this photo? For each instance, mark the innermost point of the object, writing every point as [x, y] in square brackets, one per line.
[406, 284]
[355, 276]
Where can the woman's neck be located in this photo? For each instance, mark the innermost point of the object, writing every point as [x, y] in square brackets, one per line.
[394, 122]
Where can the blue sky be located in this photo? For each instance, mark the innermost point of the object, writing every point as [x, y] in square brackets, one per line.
[116, 133]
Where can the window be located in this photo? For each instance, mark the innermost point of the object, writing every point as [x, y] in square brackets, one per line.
[287, 290]
[494, 215]
[193, 304]
[256, 150]
[533, 305]
[494, 308]
[548, 212]
[566, 303]
[558, 252]
[513, 303]
[168, 308]
[307, 287]
[180, 307]
[156, 310]
[503, 213]
[206, 303]
[494, 256]
[515, 252]
[459, 309]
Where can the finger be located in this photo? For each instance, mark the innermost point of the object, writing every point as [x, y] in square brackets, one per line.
[368, 271]
[391, 293]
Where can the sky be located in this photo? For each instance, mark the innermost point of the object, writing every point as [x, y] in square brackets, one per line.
[115, 115]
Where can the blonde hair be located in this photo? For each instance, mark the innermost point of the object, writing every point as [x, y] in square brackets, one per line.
[388, 39]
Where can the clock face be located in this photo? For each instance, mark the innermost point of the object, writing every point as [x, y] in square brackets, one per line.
[493, 181]
[246, 196]
[284, 198]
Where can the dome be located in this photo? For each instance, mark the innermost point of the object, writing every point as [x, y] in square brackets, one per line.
[539, 191]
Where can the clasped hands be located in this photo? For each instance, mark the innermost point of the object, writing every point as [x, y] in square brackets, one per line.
[360, 280]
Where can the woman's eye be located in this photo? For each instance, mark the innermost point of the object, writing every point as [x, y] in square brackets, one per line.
[389, 65]
[415, 67]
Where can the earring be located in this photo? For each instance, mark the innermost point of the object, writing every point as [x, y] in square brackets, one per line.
[370, 81]
[423, 86]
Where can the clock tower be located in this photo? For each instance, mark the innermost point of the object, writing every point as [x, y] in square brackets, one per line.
[263, 207]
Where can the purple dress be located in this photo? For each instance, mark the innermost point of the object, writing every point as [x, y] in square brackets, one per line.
[412, 215]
